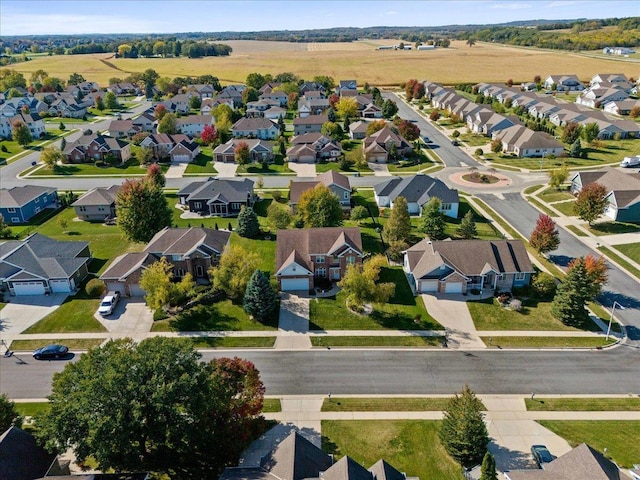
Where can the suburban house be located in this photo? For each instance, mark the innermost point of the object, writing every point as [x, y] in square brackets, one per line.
[39, 265]
[312, 86]
[122, 129]
[202, 90]
[218, 197]
[312, 106]
[16, 445]
[623, 192]
[296, 458]
[347, 88]
[486, 121]
[417, 190]
[264, 108]
[178, 103]
[619, 78]
[231, 93]
[20, 204]
[179, 147]
[563, 83]
[525, 142]
[457, 266]
[32, 120]
[260, 150]
[582, 462]
[622, 107]
[193, 125]
[98, 204]
[209, 104]
[334, 181]
[309, 124]
[312, 147]
[13, 106]
[188, 250]
[358, 130]
[379, 145]
[256, 127]
[125, 88]
[596, 97]
[302, 255]
[92, 147]
[145, 122]
[276, 96]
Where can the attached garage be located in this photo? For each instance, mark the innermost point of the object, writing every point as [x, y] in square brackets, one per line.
[181, 158]
[453, 287]
[292, 284]
[116, 287]
[428, 286]
[60, 286]
[307, 159]
[28, 288]
[136, 291]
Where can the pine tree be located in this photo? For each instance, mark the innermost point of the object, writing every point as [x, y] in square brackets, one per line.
[463, 432]
[467, 228]
[545, 236]
[576, 149]
[488, 469]
[248, 225]
[398, 227]
[572, 294]
[433, 224]
[259, 297]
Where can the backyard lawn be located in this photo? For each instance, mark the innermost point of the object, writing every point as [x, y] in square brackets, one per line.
[620, 438]
[398, 314]
[411, 446]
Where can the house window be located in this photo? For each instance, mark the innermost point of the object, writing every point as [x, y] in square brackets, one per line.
[83, 209]
[446, 206]
[319, 259]
[176, 258]
[351, 260]
[180, 272]
[500, 277]
[346, 195]
[15, 220]
[520, 276]
[321, 272]
[37, 200]
[101, 209]
[199, 271]
[197, 205]
[36, 210]
[11, 210]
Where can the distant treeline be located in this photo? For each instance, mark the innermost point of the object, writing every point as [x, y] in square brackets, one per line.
[147, 48]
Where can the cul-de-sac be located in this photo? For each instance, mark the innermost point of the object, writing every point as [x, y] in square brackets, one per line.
[342, 240]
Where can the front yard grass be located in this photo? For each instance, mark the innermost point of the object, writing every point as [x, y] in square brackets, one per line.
[278, 167]
[566, 208]
[613, 228]
[620, 438]
[474, 140]
[127, 169]
[397, 314]
[335, 166]
[234, 342]
[375, 341]
[72, 343]
[541, 404]
[546, 342]
[620, 261]
[411, 446]
[74, 315]
[553, 195]
[631, 250]
[202, 164]
[388, 404]
[487, 314]
[29, 409]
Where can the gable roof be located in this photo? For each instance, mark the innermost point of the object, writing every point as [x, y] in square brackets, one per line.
[418, 188]
[16, 446]
[20, 196]
[296, 458]
[127, 263]
[347, 469]
[311, 120]
[253, 123]
[98, 196]
[225, 190]
[381, 470]
[308, 241]
[624, 186]
[525, 138]
[184, 241]
[384, 136]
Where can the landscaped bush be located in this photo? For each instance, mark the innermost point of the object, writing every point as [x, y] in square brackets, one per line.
[94, 288]
[277, 195]
[544, 285]
[474, 291]
[479, 152]
[515, 305]
[159, 314]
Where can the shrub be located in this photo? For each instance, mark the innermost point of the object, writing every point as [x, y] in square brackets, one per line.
[277, 195]
[479, 152]
[515, 305]
[345, 144]
[159, 314]
[474, 291]
[544, 285]
[94, 288]
[4, 148]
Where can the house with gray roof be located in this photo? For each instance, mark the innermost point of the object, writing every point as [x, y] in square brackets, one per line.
[20, 204]
[623, 192]
[417, 190]
[305, 255]
[309, 124]
[334, 181]
[259, 150]
[563, 83]
[97, 205]
[255, 127]
[39, 265]
[456, 266]
[16, 446]
[188, 250]
[218, 197]
[583, 462]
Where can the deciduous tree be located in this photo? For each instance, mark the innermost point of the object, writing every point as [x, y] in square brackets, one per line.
[51, 156]
[242, 153]
[409, 130]
[347, 107]
[260, 298]
[234, 271]
[9, 415]
[20, 133]
[160, 111]
[156, 176]
[76, 78]
[590, 132]
[558, 176]
[156, 281]
[571, 132]
[591, 202]
[375, 126]
[545, 236]
[110, 101]
[332, 130]
[409, 87]
[361, 284]
[433, 224]
[168, 124]
[5, 230]
[209, 135]
[142, 210]
[320, 207]
[99, 103]
[463, 432]
[496, 145]
[467, 228]
[434, 115]
[278, 216]
[597, 275]
[248, 225]
[398, 226]
[359, 213]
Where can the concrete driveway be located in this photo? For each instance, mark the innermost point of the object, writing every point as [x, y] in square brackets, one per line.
[380, 169]
[303, 169]
[293, 323]
[130, 316]
[451, 312]
[23, 311]
[225, 169]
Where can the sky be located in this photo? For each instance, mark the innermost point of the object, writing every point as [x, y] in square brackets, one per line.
[28, 17]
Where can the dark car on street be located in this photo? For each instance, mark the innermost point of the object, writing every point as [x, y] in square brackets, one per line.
[51, 351]
[541, 455]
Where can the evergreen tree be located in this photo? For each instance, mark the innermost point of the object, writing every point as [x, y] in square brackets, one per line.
[281, 125]
[345, 124]
[9, 414]
[99, 104]
[467, 228]
[398, 226]
[331, 115]
[576, 149]
[572, 294]
[433, 224]
[463, 432]
[248, 225]
[488, 469]
[259, 297]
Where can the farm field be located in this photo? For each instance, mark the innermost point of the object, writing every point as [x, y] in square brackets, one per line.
[359, 60]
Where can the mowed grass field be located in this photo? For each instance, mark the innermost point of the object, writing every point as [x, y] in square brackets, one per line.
[358, 60]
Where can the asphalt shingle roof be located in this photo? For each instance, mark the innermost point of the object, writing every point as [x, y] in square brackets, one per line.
[20, 196]
[418, 188]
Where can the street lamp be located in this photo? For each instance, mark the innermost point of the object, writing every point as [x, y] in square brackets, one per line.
[611, 318]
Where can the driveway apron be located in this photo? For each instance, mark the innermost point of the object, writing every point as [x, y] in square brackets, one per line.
[130, 316]
[452, 313]
[24, 311]
[293, 323]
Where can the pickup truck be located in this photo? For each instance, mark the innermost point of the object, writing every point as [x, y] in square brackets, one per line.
[630, 161]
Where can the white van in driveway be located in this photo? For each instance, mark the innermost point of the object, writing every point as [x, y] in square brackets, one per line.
[109, 303]
[630, 161]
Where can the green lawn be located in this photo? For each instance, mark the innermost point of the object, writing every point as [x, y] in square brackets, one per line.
[72, 343]
[276, 168]
[631, 250]
[475, 140]
[398, 314]
[34, 222]
[541, 404]
[202, 164]
[385, 404]
[531, 189]
[29, 409]
[621, 261]
[535, 315]
[13, 148]
[553, 195]
[326, 166]
[546, 342]
[74, 315]
[411, 446]
[266, 250]
[129, 168]
[375, 341]
[565, 208]
[620, 438]
[541, 206]
[613, 228]
[577, 230]
[234, 342]
[271, 405]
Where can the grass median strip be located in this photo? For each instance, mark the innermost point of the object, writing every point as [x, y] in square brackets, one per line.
[577, 230]
[376, 341]
[29, 409]
[72, 343]
[388, 404]
[541, 404]
[546, 342]
[234, 342]
[271, 405]
[621, 261]
[542, 207]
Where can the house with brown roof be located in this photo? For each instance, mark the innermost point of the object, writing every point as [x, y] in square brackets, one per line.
[97, 205]
[122, 129]
[525, 142]
[188, 250]
[379, 145]
[95, 146]
[304, 255]
[583, 462]
[456, 266]
[259, 150]
[309, 124]
[334, 181]
[256, 127]
[623, 192]
[179, 147]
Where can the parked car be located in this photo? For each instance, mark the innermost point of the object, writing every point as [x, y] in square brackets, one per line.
[426, 139]
[51, 351]
[109, 303]
[630, 161]
[541, 455]
[455, 143]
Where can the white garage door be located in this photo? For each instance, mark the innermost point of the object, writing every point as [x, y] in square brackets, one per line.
[136, 291]
[181, 158]
[288, 284]
[116, 287]
[58, 286]
[429, 286]
[307, 159]
[454, 287]
[29, 288]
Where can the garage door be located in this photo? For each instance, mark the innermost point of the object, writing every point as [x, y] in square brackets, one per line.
[307, 159]
[181, 158]
[59, 286]
[454, 287]
[288, 284]
[136, 291]
[116, 287]
[429, 285]
[29, 288]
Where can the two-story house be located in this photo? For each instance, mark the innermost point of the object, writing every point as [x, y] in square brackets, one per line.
[97, 205]
[334, 181]
[309, 124]
[379, 145]
[193, 125]
[19, 204]
[93, 147]
[259, 150]
[262, 128]
[312, 147]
